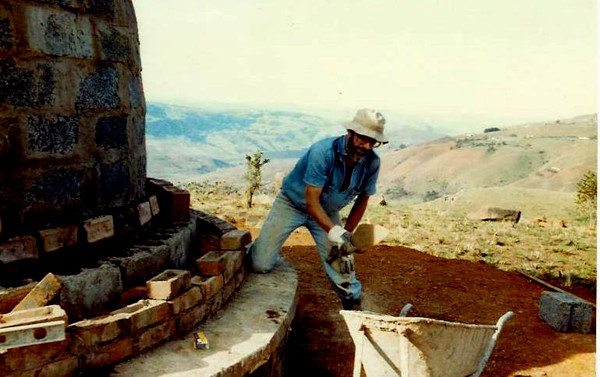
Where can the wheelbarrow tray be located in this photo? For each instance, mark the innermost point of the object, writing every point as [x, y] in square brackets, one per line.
[417, 347]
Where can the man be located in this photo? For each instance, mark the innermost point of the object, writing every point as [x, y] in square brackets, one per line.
[330, 175]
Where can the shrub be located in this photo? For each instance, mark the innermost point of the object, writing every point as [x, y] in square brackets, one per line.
[254, 164]
[587, 191]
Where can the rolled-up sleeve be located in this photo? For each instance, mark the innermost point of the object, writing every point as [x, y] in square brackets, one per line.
[317, 167]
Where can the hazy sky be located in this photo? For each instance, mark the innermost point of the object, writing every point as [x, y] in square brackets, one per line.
[504, 60]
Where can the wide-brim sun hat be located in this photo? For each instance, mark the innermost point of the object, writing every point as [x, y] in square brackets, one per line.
[368, 122]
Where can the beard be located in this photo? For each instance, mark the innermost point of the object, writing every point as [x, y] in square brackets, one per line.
[355, 153]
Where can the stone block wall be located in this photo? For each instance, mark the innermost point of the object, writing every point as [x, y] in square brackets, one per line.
[72, 112]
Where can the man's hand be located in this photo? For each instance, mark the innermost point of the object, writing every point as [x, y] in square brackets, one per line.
[338, 235]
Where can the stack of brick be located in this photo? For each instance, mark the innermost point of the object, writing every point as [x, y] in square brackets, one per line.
[173, 304]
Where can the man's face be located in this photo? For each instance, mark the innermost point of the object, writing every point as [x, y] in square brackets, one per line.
[360, 145]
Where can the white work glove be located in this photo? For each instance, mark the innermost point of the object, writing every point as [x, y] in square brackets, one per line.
[338, 235]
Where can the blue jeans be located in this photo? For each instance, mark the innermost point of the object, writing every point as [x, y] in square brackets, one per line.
[282, 220]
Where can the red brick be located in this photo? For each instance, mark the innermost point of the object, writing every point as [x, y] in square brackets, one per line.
[108, 354]
[180, 211]
[62, 368]
[211, 264]
[154, 207]
[149, 337]
[235, 240]
[48, 313]
[207, 242]
[187, 300]
[18, 248]
[191, 318]
[179, 197]
[32, 357]
[132, 296]
[58, 238]
[91, 332]
[144, 213]
[168, 284]
[234, 261]
[240, 276]
[210, 286]
[99, 228]
[145, 313]
[228, 290]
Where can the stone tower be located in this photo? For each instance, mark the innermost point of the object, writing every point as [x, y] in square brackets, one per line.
[71, 112]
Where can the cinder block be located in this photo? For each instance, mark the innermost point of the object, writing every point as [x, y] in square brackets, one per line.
[108, 354]
[154, 207]
[210, 286]
[41, 294]
[18, 248]
[27, 335]
[186, 300]
[99, 228]
[566, 313]
[145, 313]
[168, 284]
[235, 240]
[152, 336]
[92, 332]
[211, 264]
[144, 263]
[88, 293]
[55, 239]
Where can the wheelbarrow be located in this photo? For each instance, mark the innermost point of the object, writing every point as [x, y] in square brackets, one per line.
[419, 347]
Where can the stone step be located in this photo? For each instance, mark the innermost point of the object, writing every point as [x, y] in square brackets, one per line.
[249, 332]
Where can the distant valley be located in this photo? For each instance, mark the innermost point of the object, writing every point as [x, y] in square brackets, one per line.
[189, 144]
[185, 143]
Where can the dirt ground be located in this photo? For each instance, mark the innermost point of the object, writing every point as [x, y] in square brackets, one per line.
[452, 290]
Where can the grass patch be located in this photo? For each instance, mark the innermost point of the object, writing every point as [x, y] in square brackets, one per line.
[561, 247]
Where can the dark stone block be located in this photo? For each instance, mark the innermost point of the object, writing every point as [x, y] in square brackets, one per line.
[7, 37]
[111, 132]
[52, 135]
[103, 8]
[45, 86]
[136, 93]
[114, 182]
[56, 187]
[99, 91]
[16, 85]
[139, 124]
[115, 44]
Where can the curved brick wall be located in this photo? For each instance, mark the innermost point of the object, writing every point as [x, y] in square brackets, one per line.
[71, 111]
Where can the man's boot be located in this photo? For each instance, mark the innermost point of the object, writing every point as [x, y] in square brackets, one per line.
[351, 303]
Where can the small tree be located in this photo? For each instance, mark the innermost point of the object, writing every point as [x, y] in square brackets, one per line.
[254, 164]
[587, 191]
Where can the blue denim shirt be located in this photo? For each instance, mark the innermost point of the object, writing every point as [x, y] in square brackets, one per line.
[323, 166]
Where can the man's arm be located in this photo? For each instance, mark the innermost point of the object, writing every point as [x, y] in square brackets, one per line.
[315, 209]
[357, 212]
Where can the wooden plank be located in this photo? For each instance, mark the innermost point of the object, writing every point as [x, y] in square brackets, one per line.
[41, 294]
[555, 288]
